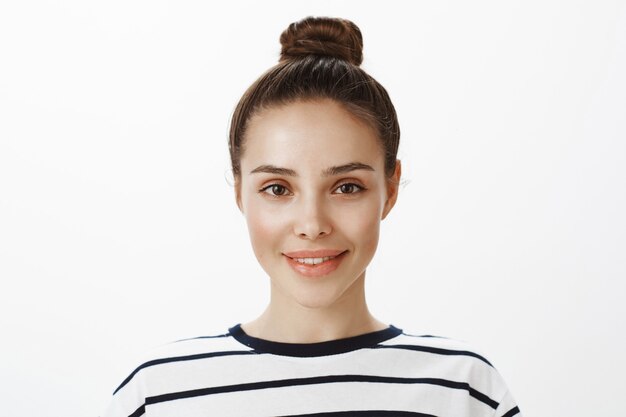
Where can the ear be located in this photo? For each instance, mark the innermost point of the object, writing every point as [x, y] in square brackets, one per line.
[238, 194]
[393, 184]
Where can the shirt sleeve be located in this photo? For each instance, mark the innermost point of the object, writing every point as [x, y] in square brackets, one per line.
[507, 407]
[128, 400]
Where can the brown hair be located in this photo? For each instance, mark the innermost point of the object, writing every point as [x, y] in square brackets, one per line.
[320, 58]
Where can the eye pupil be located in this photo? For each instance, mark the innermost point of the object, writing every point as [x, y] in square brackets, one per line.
[347, 188]
[278, 189]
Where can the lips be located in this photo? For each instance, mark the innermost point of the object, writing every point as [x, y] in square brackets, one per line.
[330, 261]
[321, 253]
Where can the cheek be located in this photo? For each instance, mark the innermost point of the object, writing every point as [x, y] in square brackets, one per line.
[369, 228]
[264, 229]
[362, 225]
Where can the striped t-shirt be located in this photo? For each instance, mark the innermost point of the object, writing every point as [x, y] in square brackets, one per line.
[382, 373]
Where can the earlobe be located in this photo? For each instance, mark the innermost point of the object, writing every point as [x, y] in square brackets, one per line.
[393, 184]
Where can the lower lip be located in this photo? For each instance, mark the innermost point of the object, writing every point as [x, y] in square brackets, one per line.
[318, 270]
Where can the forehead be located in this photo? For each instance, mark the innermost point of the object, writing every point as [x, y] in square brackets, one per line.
[310, 133]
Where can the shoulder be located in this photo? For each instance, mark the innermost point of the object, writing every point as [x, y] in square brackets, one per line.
[184, 350]
[438, 345]
[450, 361]
[170, 362]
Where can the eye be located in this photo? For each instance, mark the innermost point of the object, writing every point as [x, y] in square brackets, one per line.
[275, 190]
[350, 188]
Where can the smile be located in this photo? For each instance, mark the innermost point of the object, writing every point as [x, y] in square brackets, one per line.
[316, 267]
[313, 261]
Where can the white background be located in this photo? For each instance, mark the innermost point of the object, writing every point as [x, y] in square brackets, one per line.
[119, 230]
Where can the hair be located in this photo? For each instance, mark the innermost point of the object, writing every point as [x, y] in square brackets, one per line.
[320, 58]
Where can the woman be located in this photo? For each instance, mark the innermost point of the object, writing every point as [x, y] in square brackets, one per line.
[313, 147]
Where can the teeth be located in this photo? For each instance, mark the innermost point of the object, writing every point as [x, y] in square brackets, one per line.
[313, 261]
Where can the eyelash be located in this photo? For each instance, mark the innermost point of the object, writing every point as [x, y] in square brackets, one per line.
[359, 187]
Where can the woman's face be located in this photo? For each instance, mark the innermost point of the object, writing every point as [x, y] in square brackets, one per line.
[312, 180]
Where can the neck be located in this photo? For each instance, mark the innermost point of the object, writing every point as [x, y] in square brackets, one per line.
[289, 320]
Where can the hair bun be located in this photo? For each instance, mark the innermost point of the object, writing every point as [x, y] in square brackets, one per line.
[335, 37]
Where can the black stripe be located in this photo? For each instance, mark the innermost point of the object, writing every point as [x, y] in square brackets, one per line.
[511, 412]
[180, 359]
[363, 413]
[321, 380]
[139, 412]
[425, 335]
[438, 351]
[202, 337]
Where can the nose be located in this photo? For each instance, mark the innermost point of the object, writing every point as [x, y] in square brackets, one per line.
[312, 220]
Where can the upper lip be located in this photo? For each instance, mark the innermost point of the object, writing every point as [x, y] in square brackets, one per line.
[321, 253]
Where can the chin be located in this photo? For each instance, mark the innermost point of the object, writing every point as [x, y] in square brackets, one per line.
[316, 299]
[318, 303]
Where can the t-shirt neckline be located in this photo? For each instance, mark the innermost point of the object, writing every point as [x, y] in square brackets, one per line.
[330, 347]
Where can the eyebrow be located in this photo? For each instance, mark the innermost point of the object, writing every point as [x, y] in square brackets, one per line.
[336, 170]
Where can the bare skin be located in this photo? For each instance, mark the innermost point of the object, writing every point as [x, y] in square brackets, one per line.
[305, 206]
